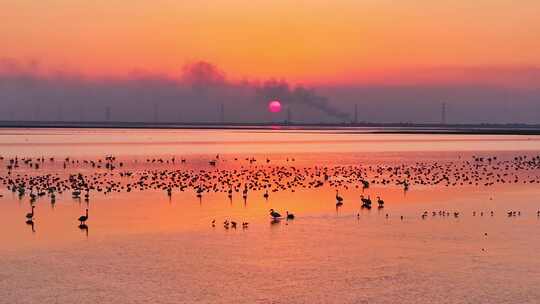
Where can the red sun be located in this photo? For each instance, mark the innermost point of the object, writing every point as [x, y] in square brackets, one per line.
[274, 106]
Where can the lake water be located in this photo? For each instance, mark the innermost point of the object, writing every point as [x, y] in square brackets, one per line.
[144, 246]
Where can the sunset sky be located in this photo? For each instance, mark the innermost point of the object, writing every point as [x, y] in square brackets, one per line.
[312, 42]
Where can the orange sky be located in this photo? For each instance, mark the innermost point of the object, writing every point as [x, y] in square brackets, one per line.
[312, 41]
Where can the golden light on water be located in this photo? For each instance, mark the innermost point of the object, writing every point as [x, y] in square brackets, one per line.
[145, 236]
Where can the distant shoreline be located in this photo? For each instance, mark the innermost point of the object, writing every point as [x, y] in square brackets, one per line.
[370, 128]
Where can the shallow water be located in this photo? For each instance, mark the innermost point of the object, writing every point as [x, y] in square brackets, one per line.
[144, 247]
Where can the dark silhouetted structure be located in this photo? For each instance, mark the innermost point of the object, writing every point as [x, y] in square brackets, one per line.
[60, 114]
[443, 113]
[156, 112]
[222, 113]
[107, 113]
[289, 115]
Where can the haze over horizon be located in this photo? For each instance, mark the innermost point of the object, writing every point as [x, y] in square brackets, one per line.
[170, 61]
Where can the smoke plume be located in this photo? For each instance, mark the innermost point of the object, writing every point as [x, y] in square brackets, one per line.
[201, 92]
[282, 91]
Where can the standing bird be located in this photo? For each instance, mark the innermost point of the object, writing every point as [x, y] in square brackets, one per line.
[31, 224]
[380, 202]
[83, 218]
[339, 199]
[274, 214]
[30, 215]
[365, 184]
[199, 192]
[366, 202]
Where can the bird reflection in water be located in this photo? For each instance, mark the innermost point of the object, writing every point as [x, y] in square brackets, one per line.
[84, 228]
[31, 224]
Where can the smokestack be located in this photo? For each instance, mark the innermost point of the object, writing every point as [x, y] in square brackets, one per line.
[443, 113]
[300, 95]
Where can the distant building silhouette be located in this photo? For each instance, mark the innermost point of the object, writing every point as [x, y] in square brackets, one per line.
[356, 113]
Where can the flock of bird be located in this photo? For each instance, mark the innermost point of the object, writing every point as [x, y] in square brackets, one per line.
[276, 217]
[39, 178]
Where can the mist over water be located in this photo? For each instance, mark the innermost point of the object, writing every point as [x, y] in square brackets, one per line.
[202, 93]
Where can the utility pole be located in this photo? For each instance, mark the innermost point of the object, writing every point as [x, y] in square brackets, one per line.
[81, 113]
[289, 115]
[60, 112]
[107, 114]
[222, 113]
[156, 114]
[37, 112]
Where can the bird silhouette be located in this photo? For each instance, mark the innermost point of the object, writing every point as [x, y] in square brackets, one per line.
[290, 216]
[30, 216]
[83, 218]
[274, 214]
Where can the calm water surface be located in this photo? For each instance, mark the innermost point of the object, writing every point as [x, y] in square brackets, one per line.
[144, 247]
